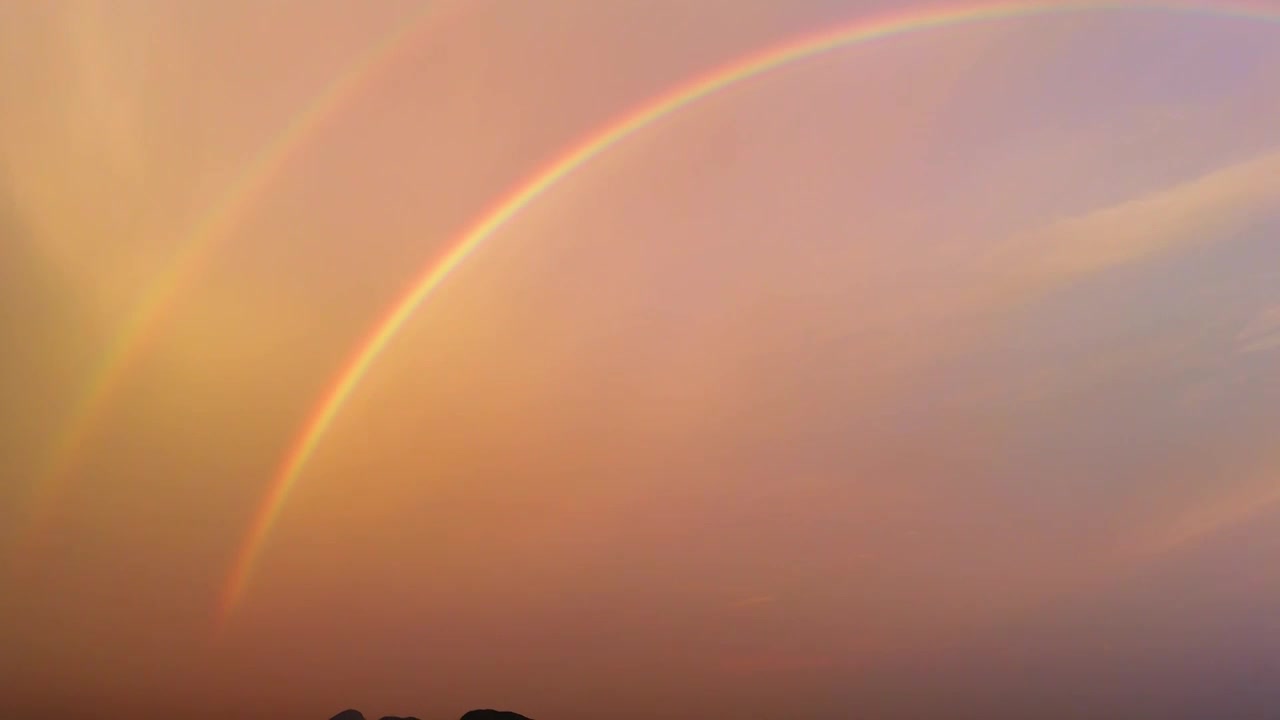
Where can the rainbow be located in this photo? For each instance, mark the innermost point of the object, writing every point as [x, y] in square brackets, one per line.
[217, 223]
[508, 206]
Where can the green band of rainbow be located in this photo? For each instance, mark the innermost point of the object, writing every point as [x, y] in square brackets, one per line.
[333, 399]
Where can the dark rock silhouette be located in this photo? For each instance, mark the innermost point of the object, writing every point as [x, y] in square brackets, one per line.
[473, 715]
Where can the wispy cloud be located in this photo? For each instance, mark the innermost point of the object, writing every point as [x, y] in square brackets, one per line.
[1261, 333]
[1208, 517]
[1193, 213]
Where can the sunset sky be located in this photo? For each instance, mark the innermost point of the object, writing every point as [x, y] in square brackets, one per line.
[931, 372]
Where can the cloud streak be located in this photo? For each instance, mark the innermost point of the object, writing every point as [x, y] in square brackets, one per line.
[1242, 503]
[1191, 214]
[1262, 333]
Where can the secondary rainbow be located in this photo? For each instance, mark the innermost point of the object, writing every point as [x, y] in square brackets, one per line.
[213, 226]
[507, 207]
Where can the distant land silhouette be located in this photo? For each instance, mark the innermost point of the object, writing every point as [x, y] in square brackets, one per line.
[473, 715]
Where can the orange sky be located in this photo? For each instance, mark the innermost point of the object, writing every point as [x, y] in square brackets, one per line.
[932, 372]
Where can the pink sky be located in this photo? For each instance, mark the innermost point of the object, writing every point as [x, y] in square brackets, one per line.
[936, 372]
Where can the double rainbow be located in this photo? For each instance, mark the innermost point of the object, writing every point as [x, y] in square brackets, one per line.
[254, 181]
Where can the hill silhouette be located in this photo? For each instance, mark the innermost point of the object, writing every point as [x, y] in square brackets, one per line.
[472, 715]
